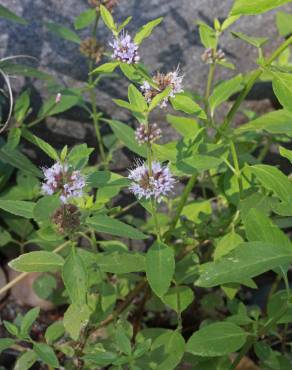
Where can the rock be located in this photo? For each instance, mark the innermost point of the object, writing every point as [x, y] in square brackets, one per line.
[174, 42]
[24, 294]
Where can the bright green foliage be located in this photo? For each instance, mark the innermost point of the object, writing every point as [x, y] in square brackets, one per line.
[157, 254]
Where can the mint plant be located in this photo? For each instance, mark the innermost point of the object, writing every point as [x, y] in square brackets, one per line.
[214, 217]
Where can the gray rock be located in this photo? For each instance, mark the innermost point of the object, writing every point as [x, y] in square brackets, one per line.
[174, 42]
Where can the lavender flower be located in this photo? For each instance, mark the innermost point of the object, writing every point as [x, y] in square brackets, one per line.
[156, 185]
[125, 50]
[147, 134]
[172, 79]
[61, 179]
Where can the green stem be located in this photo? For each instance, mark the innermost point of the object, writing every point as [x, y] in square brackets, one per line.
[253, 78]
[180, 206]
[92, 100]
[236, 166]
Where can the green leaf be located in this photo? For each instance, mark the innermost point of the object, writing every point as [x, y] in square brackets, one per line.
[218, 339]
[5, 237]
[286, 153]
[198, 163]
[245, 261]
[284, 23]
[75, 278]
[160, 266]
[18, 207]
[21, 106]
[258, 42]
[159, 97]
[274, 180]
[276, 122]
[63, 32]
[275, 304]
[108, 295]
[44, 208]
[11, 328]
[6, 343]
[102, 358]
[75, 318]
[121, 262]
[187, 105]
[54, 332]
[16, 159]
[79, 156]
[252, 7]
[224, 91]
[207, 36]
[259, 227]
[108, 225]
[46, 354]
[122, 340]
[43, 145]
[39, 261]
[100, 179]
[166, 351]
[8, 14]
[187, 127]
[27, 321]
[84, 19]
[182, 294]
[24, 70]
[146, 30]
[282, 86]
[70, 98]
[226, 244]
[26, 360]
[106, 67]
[127, 136]
[136, 98]
[44, 285]
[107, 18]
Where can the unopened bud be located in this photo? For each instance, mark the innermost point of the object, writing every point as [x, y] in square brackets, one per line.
[58, 98]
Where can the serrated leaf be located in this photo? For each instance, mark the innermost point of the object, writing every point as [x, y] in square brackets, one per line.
[39, 261]
[26, 360]
[6, 343]
[136, 98]
[160, 265]
[54, 332]
[284, 23]
[226, 244]
[217, 339]
[187, 127]
[198, 163]
[146, 30]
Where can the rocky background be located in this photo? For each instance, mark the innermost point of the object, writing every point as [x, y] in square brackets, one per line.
[174, 42]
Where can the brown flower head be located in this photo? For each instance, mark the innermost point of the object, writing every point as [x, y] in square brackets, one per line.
[66, 218]
[91, 49]
[109, 4]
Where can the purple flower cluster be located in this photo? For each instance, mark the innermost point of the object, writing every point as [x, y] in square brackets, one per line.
[157, 184]
[125, 50]
[163, 81]
[61, 179]
[148, 134]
